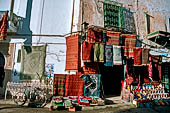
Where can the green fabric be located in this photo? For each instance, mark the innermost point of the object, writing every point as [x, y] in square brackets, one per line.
[99, 52]
[32, 62]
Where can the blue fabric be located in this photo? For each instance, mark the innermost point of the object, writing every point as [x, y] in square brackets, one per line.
[108, 55]
[92, 84]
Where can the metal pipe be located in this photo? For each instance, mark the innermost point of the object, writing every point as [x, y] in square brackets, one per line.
[72, 17]
[11, 9]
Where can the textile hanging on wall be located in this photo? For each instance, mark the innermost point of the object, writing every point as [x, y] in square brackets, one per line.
[128, 23]
[59, 84]
[129, 43]
[87, 51]
[92, 84]
[137, 56]
[72, 53]
[4, 26]
[32, 62]
[74, 85]
[99, 52]
[94, 36]
[166, 76]
[129, 52]
[150, 70]
[129, 40]
[113, 38]
[117, 56]
[108, 55]
[90, 68]
[145, 56]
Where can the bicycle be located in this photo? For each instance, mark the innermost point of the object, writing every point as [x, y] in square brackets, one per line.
[36, 96]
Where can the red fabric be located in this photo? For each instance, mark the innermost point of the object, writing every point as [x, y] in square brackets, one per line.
[73, 53]
[113, 38]
[4, 26]
[137, 56]
[87, 51]
[74, 85]
[90, 68]
[59, 84]
[94, 36]
[130, 40]
[150, 70]
[128, 52]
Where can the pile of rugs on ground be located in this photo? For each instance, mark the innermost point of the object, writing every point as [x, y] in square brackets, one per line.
[74, 103]
[146, 96]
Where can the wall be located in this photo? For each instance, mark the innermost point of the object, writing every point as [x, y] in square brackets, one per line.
[47, 18]
[158, 10]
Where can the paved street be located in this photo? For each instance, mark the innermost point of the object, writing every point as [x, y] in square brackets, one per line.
[120, 108]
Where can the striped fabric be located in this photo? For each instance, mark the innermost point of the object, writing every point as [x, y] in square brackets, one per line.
[72, 53]
[129, 52]
[137, 56]
[130, 40]
[113, 38]
[74, 85]
[4, 26]
[59, 84]
[129, 43]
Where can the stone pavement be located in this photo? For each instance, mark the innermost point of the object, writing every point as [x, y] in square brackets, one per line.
[110, 102]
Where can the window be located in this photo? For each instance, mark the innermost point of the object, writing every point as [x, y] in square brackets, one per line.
[111, 15]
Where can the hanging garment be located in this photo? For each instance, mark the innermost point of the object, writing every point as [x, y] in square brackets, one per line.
[73, 61]
[59, 84]
[92, 84]
[117, 56]
[99, 52]
[137, 56]
[113, 38]
[108, 55]
[32, 62]
[74, 85]
[145, 56]
[87, 51]
[4, 26]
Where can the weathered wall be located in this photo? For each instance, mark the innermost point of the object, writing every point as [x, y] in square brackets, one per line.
[159, 11]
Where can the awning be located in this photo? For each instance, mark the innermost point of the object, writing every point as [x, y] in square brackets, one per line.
[160, 37]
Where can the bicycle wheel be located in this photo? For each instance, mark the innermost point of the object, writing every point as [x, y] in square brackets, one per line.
[20, 98]
[40, 100]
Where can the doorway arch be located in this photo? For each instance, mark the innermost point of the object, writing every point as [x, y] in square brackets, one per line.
[2, 73]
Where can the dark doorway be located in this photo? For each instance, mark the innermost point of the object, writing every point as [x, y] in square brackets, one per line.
[2, 73]
[111, 79]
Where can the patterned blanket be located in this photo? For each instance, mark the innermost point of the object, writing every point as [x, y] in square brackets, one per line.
[92, 84]
[108, 55]
[32, 62]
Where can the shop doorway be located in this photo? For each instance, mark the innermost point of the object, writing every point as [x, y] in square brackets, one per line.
[111, 79]
[2, 73]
